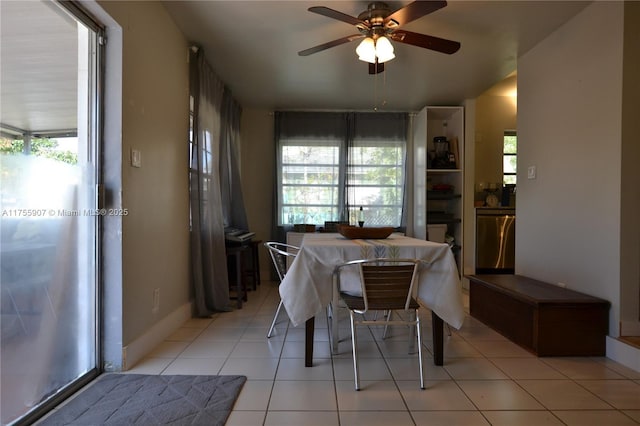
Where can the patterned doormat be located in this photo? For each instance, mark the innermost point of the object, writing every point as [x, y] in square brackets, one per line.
[140, 399]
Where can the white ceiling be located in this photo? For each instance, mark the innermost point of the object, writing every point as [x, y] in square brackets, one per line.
[253, 45]
[39, 66]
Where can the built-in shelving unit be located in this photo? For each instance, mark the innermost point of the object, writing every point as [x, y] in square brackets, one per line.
[438, 184]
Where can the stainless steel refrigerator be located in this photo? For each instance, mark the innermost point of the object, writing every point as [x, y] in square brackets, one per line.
[495, 240]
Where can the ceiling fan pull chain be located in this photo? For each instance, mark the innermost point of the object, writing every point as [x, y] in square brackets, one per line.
[375, 91]
[384, 90]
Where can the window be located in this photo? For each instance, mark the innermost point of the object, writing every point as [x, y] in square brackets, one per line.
[376, 181]
[509, 157]
[325, 175]
[310, 175]
[200, 160]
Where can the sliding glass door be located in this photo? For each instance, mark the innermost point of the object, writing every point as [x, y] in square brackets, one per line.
[50, 218]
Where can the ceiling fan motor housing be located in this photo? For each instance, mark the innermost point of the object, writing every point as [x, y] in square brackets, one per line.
[374, 20]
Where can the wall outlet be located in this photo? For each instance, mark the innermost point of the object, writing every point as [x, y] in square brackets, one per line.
[156, 300]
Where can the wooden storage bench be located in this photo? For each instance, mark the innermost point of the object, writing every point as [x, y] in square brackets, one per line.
[546, 319]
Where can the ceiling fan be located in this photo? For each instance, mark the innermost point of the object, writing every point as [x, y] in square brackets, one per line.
[379, 24]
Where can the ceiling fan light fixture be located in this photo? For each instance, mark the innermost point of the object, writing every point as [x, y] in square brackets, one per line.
[366, 50]
[384, 50]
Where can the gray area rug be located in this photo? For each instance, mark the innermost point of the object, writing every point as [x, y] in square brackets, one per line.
[140, 399]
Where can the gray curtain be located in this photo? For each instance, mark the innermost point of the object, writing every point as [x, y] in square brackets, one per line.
[215, 192]
[230, 186]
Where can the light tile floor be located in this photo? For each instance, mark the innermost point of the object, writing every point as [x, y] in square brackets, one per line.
[486, 379]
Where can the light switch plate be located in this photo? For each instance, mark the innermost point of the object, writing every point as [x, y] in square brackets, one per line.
[531, 172]
[136, 158]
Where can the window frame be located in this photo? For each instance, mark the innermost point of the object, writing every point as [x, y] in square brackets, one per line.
[399, 183]
[331, 143]
[509, 155]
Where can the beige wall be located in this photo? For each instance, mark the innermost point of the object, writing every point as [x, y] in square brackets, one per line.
[569, 127]
[155, 238]
[258, 175]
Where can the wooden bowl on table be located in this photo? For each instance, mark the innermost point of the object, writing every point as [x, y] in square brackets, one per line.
[366, 233]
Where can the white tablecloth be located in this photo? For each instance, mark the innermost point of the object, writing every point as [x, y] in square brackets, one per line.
[307, 287]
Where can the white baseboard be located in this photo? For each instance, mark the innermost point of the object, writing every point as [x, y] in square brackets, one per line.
[620, 352]
[139, 348]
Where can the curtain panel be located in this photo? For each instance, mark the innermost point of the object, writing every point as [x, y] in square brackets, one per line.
[233, 209]
[215, 193]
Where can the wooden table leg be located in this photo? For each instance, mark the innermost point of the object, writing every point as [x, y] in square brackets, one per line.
[438, 339]
[235, 253]
[239, 284]
[309, 329]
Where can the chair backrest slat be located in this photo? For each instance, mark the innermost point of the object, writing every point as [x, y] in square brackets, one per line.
[386, 282]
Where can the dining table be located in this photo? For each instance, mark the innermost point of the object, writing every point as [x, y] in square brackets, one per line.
[309, 285]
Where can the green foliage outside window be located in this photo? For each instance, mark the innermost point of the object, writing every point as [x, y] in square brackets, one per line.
[42, 147]
[510, 158]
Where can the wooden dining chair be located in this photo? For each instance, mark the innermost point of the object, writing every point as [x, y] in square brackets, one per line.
[279, 253]
[387, 285]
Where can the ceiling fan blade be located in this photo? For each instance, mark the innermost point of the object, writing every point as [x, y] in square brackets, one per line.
[428, 42]
[413, 11]
[331, 13]
[329, 44]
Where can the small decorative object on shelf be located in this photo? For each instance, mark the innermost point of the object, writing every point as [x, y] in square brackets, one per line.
[361, 217]
[444, 157]
[492, 199]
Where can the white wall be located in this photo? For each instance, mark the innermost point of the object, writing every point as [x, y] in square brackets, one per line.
[569, 128]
